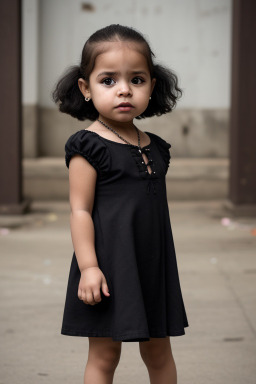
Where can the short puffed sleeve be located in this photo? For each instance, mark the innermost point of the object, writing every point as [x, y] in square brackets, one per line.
[164, 148]
[89, 145]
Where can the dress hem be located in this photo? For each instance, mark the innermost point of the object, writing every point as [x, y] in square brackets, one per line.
[123, 337]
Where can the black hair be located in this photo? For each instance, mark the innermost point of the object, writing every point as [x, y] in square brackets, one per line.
[70, 99]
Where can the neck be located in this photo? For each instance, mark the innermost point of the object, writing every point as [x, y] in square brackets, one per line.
[118, 126]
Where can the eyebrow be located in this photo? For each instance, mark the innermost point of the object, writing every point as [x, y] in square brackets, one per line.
[116, 73]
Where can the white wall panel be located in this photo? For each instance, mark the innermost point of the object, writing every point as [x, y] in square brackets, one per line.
[191, 36]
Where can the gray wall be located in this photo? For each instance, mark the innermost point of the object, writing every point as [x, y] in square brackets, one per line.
[190, 36]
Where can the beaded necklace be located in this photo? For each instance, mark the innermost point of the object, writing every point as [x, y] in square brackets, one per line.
[153, 182]
[122, 137]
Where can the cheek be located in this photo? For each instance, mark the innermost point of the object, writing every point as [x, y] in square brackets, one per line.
[101, 93]
[144, 92]
[143, 96]
[101, 100]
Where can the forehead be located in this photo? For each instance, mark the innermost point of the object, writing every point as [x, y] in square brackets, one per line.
[120, 54]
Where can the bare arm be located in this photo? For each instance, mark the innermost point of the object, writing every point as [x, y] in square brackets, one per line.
[82, 181]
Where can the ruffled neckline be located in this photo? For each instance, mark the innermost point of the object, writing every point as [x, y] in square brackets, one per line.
[124, 144]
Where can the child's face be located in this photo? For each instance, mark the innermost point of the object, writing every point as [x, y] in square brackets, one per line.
[107, 91]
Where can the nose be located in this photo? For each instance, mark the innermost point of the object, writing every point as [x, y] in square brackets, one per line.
[124, 89]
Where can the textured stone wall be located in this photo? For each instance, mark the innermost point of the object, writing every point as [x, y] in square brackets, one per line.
[192, 132]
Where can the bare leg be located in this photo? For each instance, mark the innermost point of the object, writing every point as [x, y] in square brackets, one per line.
[103, 358]
[158, 358]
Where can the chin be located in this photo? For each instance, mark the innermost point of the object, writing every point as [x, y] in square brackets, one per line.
[122, 117]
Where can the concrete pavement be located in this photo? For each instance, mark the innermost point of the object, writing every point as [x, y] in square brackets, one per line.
[217, 265]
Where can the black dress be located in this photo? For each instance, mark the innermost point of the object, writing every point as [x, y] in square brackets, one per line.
[133, 242]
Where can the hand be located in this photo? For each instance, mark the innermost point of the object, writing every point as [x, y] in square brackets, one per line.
[92, 279]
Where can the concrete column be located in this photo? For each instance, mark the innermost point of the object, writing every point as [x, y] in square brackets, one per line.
[30, 64]
[242, 185]
[10, 100]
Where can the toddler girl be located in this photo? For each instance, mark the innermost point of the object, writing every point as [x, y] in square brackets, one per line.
[123, 283]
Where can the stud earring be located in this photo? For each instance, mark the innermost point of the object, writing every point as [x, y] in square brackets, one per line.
[87, 98]
[150, 98]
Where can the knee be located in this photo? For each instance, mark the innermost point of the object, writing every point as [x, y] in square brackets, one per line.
[107, 359]
[155, 356]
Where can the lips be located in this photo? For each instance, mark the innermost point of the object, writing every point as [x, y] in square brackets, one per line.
[125, 105]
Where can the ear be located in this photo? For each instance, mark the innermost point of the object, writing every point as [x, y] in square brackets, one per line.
[153, 82]
[84, 87]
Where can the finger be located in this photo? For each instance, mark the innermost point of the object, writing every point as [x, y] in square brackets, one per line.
[79, 294]
[83, 297]
[97, 296]
[105, 289]
[89, 298]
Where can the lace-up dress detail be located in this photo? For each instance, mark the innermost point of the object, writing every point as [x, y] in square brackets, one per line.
[146, 166]
[133, 244]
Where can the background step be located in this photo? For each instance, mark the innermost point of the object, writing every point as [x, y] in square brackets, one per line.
[46, 178]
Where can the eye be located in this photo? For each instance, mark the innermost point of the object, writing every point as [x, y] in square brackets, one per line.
[138, 80]
[107, 81]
